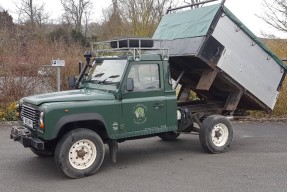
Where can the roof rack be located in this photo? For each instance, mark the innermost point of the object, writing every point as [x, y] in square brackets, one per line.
[128, 47]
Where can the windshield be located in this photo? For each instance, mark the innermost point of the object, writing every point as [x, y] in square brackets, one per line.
[106, 74]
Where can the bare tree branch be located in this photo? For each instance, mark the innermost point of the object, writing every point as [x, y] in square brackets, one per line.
[275, 14]
[31, 13]
[76, 12]
[144, 15]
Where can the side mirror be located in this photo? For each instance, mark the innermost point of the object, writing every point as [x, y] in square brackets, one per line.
[72, 81]
[130, 84]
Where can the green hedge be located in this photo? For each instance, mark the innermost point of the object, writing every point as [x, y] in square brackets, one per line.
[8, 112]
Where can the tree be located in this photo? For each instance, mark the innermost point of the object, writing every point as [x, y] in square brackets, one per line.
[76, 12]
[6, 20]
[144, 15]
[275, 14]
[193, 2]
[31, 13]
[114, 24]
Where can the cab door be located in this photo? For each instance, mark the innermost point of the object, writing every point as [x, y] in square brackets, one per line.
[144, 108]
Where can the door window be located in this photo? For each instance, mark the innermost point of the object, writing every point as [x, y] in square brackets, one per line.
[145, 76]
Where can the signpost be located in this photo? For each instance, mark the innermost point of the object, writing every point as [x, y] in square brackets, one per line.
[58, 63]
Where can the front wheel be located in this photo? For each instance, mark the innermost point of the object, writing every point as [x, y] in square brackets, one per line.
[79, 153]
[216, 134]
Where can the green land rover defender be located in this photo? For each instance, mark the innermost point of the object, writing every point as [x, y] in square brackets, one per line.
[127, 90]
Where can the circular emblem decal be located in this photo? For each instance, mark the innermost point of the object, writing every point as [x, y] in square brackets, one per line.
[140, 114]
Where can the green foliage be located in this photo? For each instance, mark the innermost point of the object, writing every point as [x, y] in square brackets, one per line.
[68, 37]
[79, 38]
[8, 113]
[193, 96]
[6, 20]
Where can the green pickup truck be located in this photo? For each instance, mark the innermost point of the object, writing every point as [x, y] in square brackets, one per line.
[128, 91]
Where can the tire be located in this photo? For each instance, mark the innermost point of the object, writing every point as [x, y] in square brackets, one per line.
[42, 153]
[169, 136]
[79, 153]
[216, 134]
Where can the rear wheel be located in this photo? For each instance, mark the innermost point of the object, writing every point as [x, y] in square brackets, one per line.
[79, 153]
[169, 136]
[216, 134]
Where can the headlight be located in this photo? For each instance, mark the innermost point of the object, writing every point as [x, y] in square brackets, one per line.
[41, 120]
[17, 106]
[18, 109]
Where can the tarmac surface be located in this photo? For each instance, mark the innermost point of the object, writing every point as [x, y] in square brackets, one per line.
[257, 161]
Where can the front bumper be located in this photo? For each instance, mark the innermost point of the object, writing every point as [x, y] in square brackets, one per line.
[23, 135]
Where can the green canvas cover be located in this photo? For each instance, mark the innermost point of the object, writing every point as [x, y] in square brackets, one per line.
[186, 24]
[196, 23]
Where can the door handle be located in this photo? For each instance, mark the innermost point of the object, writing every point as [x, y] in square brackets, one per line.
[158, 105]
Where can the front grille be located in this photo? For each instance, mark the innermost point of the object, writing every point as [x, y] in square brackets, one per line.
[30, 113]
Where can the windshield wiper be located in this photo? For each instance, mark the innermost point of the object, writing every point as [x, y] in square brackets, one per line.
[98, 75]
[95, 76]
[110, 77]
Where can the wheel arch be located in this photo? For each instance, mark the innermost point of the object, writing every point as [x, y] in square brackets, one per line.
[92, 121]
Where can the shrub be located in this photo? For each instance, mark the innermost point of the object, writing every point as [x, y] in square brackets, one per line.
[8, 113]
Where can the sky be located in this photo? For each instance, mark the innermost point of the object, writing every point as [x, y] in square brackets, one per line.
[245, 10]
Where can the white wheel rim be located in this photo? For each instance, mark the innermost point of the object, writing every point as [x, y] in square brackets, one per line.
[82, 154]
[219, 135]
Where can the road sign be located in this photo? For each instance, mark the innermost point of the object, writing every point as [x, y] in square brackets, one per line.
[58, 63]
